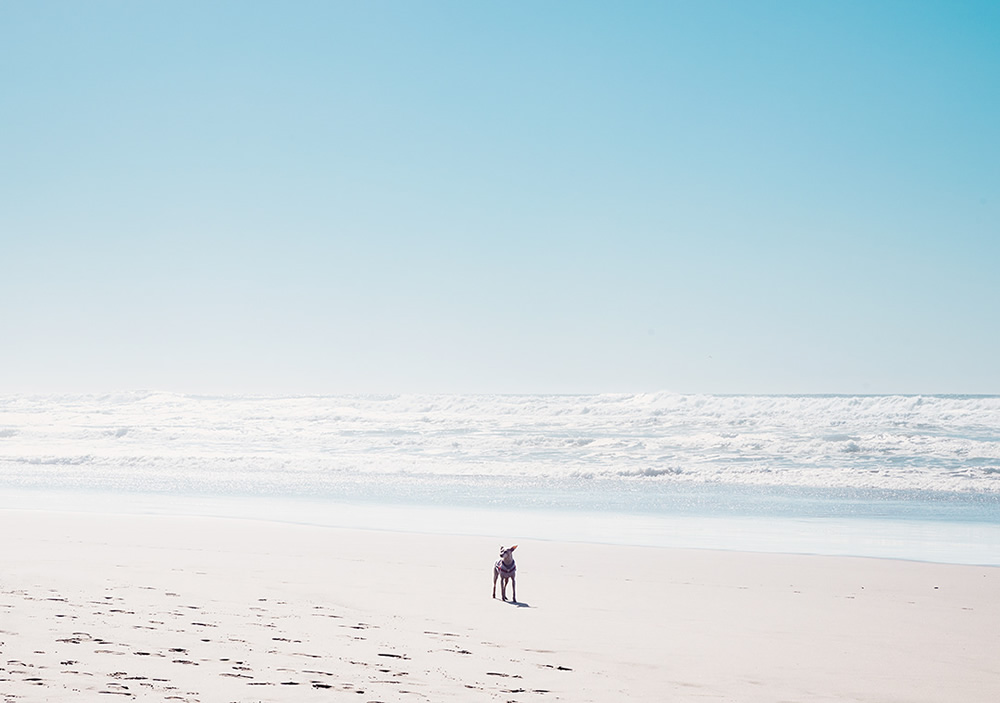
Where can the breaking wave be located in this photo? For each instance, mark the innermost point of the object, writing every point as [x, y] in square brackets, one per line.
[258, 444]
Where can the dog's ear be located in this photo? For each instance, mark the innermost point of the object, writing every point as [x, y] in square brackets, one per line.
[513, 547]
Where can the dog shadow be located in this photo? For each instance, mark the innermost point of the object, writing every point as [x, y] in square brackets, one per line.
[519, 604]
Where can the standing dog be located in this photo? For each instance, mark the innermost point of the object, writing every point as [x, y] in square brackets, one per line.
[505, 568]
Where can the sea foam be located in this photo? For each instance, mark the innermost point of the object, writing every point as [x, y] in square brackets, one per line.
[163, 441]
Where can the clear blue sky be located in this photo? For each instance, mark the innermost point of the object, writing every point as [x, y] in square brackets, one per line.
[729, 197]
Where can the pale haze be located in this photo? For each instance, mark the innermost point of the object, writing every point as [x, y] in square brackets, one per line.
[451, 197]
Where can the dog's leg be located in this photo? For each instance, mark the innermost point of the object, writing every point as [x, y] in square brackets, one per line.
[496, 572]
[513, 589]
[503, 587]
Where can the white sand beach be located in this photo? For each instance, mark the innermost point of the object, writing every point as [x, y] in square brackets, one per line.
[163, 608]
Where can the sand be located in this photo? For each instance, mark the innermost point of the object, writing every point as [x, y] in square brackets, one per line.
[158, 608]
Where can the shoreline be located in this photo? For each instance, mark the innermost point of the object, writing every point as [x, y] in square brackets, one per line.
[206, 609]
[974, 542]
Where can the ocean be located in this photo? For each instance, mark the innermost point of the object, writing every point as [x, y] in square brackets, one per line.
[910, 477]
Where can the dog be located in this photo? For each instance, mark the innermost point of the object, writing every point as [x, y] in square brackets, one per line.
[506, 569]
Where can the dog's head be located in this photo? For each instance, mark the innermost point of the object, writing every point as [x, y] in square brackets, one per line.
[506, 552]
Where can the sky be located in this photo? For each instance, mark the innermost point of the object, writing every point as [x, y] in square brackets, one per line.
[500, 197]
